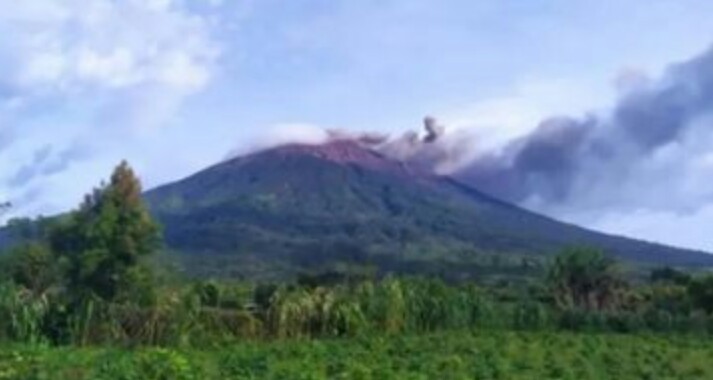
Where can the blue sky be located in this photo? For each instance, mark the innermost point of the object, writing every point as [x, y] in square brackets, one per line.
[175, 85]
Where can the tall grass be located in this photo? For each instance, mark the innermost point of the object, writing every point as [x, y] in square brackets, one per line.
[22, 315]
[216, 314]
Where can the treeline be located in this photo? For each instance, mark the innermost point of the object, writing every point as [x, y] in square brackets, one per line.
[210, 313]
[88, 278]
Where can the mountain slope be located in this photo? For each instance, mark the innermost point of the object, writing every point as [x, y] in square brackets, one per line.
[301, 206]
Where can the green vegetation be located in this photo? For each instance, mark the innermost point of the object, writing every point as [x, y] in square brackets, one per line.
[456, 355]
[85, 297]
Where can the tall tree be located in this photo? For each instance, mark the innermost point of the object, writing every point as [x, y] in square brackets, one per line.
[105, 239]
[584, 278]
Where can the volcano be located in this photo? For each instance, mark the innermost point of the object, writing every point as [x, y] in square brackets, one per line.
[299, 207]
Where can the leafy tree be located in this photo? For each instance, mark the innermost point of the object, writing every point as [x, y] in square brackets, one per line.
[668, 297]
[33, 267]
[584, 278]
[104, 241]
[701, 292]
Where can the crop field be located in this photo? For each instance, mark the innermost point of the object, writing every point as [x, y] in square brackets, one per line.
[453, 355]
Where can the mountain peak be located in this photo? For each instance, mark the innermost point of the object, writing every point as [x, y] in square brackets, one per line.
[340, 151]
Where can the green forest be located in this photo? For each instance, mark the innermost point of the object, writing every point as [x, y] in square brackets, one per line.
[89, 297]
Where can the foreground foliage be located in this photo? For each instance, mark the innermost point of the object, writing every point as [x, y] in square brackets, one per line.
[209, 314]
[439, 356]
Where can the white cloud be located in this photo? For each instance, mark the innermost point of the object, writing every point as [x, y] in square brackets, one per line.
[99, 73]
[105, 43]
[280, 134]
[116, 69]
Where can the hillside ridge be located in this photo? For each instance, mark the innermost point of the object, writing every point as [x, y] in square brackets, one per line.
[311, 205]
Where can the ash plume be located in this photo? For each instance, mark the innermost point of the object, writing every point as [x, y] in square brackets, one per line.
[653, 132]
[433, 130]
[435, 150]
[653, 149]
[432, 149]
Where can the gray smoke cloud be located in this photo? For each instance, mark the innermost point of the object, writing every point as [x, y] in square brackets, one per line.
[433, 150]
[657, 133]
[434, 131]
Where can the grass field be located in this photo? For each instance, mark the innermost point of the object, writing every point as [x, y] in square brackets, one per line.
[490, 355]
